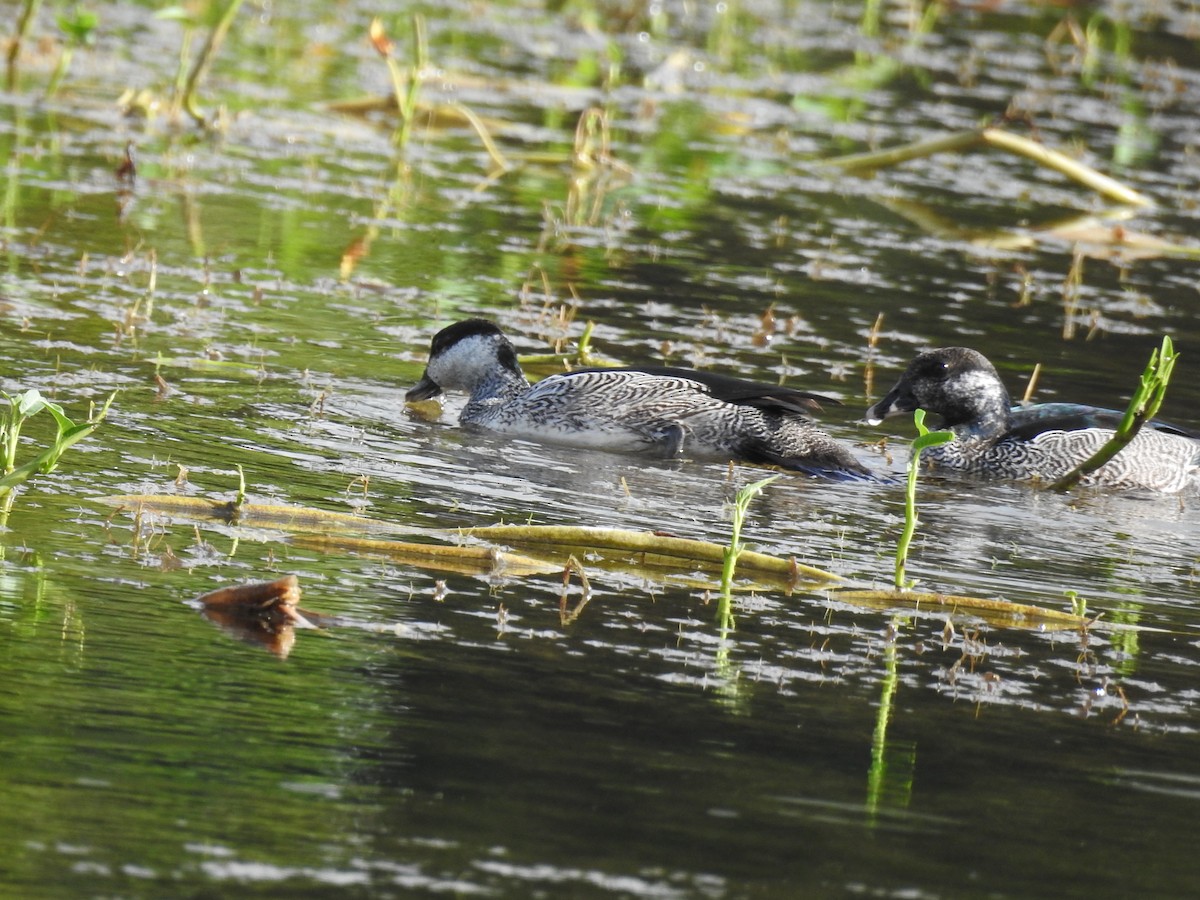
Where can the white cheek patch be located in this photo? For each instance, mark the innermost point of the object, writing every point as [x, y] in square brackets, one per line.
[463, 364]
[977, 384]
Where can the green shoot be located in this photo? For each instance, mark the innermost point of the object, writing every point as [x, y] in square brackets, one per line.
[405, 88]
[21, 408]
[925, 438]
[741, 504]
[1152, 390]
[79, 28]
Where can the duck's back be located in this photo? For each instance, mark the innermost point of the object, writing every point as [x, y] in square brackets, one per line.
[1154, 460]
[665, 414]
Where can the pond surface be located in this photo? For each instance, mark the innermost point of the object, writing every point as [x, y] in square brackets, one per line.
[261, 294]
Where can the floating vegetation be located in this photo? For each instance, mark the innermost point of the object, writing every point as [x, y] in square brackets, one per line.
[999, 139]
[999, 613]
[549, 363]
[652, 551]
[258, 515]
[443, 557]
[555, 549]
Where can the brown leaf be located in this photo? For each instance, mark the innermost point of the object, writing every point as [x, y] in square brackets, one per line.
[379, 38]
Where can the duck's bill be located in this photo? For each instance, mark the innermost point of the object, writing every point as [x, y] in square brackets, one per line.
[892, 405]
[425, 389]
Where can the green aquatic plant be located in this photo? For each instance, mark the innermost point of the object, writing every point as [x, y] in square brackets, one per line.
[1152, 390]
[741, 503]
[406, 87]
[186, 86]
[79, 29]
[21, 408]
[725, 668]
[925, 438]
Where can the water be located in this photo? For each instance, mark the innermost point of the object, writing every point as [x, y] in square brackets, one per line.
[456, 736]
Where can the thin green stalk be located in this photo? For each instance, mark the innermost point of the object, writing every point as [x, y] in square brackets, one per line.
[725, 623]
[406, 87]
[60, 70]
[1152, 390]
[502, 164]
[741, 504]
[28, 12]
[925, 438]
[79, 30]
[408, 108]
[215, 38]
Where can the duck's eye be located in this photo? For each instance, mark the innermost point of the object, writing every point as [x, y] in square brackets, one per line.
[934, 368]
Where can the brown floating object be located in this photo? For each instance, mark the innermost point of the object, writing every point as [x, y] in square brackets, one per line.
[278, 597]
[264, 612]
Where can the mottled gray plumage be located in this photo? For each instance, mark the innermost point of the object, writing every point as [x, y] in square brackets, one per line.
[660, 411]
[1041, 442]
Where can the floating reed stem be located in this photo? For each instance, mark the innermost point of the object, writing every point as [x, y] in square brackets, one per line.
[1001, 140]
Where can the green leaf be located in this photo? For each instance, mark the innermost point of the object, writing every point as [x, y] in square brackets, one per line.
[80, 26]
[29, 403]
[931, 439]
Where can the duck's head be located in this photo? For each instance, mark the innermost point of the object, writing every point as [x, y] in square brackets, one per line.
[464, 355]
[956, 383]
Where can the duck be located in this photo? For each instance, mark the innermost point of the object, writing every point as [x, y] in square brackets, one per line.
[660, 411]
[1036, 442]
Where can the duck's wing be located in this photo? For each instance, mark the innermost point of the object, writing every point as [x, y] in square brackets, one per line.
[669, 410]
[739, 391]
[1030, 421]
[621, 391]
